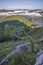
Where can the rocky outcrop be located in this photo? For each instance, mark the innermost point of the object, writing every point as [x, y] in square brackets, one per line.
[39, 59]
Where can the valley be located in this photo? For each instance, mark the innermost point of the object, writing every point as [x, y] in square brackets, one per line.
[14, 31]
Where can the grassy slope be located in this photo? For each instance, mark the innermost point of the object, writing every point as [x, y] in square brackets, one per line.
[6, 47]
[17, 17]
[37, 33]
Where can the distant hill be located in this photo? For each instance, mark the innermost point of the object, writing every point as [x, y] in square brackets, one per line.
[4, 10]
[16, 17]
[16, 23]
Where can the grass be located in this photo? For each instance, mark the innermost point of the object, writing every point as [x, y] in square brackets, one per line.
[37, 33]
[22, 58]
[6, 47]
[16, 17]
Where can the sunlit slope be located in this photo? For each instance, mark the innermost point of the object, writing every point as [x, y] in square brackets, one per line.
[16, 17]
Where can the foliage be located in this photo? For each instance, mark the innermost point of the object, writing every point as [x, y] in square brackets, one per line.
[22, 58]
[27, 28]
[8, 31]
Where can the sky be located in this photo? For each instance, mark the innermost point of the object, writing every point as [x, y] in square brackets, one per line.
[21, 4]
